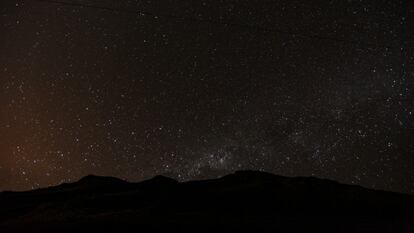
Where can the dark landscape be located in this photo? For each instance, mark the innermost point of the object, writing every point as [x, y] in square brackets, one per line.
[246, 201]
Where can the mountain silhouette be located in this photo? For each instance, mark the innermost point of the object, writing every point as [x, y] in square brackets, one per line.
[246, 201]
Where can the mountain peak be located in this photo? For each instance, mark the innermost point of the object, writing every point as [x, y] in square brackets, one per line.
[100, 179]
[160, 180]
[253, 176]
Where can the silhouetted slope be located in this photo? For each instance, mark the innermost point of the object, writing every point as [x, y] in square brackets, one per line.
[243, 201]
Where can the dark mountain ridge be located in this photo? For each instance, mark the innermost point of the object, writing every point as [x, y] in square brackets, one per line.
[244, 201]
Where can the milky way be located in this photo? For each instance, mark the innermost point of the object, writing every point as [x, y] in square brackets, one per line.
[198, 89]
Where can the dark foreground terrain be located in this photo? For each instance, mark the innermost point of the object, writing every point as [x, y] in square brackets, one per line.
[246, 201]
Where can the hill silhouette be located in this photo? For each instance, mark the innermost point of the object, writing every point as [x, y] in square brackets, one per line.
[246, 201]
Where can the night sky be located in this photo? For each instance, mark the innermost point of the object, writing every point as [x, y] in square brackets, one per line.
[199, 89]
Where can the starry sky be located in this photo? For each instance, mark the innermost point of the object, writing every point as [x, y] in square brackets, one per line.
[198, 89]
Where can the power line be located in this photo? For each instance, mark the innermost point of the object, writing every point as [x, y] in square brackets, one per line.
[215, 22]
